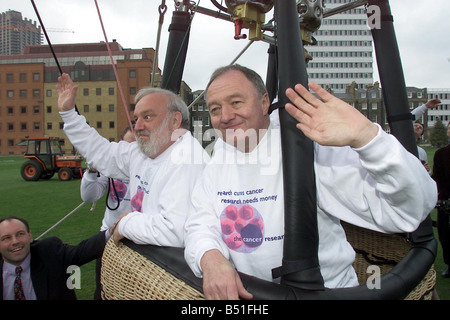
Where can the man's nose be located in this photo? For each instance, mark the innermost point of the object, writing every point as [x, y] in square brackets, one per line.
[228, 113]
[138, 124]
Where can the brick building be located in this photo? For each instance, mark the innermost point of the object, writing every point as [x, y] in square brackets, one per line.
[28, 98]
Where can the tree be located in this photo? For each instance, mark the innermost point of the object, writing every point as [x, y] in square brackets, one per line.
[438, 137]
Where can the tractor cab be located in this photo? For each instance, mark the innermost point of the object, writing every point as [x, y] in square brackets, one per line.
[45, 157]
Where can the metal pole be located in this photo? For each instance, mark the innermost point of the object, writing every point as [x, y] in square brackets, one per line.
[300, 266]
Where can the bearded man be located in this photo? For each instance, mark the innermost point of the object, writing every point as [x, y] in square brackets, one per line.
[161, 166]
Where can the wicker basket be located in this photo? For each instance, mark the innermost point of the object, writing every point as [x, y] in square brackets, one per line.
[128, 275]
[385, 251]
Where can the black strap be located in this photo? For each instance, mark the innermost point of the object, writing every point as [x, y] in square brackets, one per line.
[400, 117]
[292, 267]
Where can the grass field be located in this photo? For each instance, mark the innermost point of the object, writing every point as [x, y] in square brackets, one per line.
[43, 203]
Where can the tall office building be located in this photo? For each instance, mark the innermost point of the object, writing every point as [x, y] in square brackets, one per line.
[16, 33]
[343, 53]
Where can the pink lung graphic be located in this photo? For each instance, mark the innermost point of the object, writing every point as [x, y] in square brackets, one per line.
[136, 201]
[242, 228]
[121, 189]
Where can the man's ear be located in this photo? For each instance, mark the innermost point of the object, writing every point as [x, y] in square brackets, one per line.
[265, 103]
[176, 120]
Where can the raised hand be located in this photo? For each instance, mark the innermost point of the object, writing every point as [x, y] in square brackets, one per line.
[327, 119]
[67, 93]
[433, 103]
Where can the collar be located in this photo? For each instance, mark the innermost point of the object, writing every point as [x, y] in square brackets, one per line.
[9, 268]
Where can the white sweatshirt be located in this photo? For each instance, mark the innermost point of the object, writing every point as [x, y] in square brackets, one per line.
[160, 188]
[93, 187]
[238, 205]
[417, 113]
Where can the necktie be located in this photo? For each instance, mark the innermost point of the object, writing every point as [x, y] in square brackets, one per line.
[18, 290]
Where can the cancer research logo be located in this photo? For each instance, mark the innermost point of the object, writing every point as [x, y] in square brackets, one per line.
[242, 228]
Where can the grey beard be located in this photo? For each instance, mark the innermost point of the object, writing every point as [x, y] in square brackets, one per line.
[157, 140]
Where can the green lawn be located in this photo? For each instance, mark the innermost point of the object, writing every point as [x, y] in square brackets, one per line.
[43, 203]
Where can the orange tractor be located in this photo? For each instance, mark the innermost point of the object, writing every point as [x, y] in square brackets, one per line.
[45, 158]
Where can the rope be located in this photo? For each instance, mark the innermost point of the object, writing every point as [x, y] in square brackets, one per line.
[46, 36]
[60, 221]
[49, 43]
[115, 69]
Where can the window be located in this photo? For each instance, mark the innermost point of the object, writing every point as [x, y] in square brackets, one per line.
[36, 76]
[132, 90]
[86, 108]
[23, 126]
[85, 91]
[132, 73]
[23, 77]
[98, 91]
[111, 91]
[23, 93]
[99, 124]
[49, 126]
[10, 93]
[111, 124]
[23, 110]
[10, 110]
[99, 108]
[36, 110]
[49, 109]
[37, 125]
[111, 108]
[36, 93]
[48, 93]
[9, 77]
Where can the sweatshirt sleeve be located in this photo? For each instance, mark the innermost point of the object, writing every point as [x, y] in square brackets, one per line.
[419, 111]
[93, 187]
[202, 229]
[380, 186]
[109, 158]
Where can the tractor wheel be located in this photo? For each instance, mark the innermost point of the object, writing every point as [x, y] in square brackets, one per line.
[65, 174]
[31, 170]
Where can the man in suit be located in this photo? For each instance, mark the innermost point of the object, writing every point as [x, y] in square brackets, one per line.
[441, 174]
[42, 264]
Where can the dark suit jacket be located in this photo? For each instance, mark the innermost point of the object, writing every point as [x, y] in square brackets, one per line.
[50, 258]
[441, 172]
